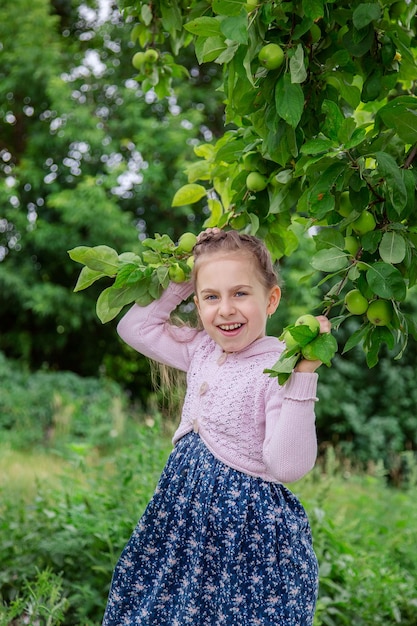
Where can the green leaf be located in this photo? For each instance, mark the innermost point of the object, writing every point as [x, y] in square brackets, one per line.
[104, 311]
[228, 7]
[366, 13]
[120, 297]
[316, 146]
[283, 368]
[401, 115]
[356, 338]
[146, 14]
[301, 333]
[386, 281]
[216, 211]
[395, 180]
[359, 41]
[329, 237]
[162, 273]
[323, 348]
[188, 194]
[392, 248]
[313, 8]
[87, 277]
[334, 120]
[99, 258]
[161, 243]
[150, 257]
[376, 337]
[320, 197]
[297, 68]
[330, 260]
[343, 83]
[211, 49]
[204, 26]
[289, 100]
[171, 17]
[228, 53]
[129, 273]
[236, 28]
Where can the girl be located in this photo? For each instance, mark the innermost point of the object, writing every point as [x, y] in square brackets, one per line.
[222, 541]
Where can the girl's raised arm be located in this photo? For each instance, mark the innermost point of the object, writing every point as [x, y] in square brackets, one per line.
[147, 329]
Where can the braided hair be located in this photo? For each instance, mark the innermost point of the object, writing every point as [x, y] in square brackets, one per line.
[212, 242]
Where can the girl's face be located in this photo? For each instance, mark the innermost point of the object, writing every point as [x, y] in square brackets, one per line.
[232, 302]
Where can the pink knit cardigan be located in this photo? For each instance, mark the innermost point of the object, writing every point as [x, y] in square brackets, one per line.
[243, 416]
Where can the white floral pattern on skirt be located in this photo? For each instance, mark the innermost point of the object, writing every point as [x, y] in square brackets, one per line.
[215, 547]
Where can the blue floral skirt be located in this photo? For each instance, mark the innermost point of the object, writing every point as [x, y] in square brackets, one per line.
[215, 547]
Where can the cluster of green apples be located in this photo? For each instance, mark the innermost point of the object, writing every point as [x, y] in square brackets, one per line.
[271, 57]
[177, 273]
[144, 60]
[257, 179]
[303, 340]
[378, 311]
[303, 343]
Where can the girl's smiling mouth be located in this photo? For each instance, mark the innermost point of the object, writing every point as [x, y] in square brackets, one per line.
[230, 327]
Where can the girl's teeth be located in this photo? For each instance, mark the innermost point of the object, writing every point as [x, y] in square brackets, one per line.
[230, 326]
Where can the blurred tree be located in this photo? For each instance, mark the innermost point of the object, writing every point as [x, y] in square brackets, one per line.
[85, 159]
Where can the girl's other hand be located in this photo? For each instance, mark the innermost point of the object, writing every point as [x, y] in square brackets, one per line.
[309, 367]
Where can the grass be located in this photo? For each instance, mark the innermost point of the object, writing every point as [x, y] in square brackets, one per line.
[22, 472]
[69, 517]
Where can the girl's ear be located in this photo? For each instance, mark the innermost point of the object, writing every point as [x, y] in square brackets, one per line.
[196, 302]
[274, 298]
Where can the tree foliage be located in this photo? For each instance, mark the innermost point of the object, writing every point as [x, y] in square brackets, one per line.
[326, 128]
[85, 157]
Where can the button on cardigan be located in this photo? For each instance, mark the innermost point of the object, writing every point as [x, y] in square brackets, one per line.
[244, 417]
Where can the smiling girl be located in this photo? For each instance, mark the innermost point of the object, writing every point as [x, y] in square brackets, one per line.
[223, 541]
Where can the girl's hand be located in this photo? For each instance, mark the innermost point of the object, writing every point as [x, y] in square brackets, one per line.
[309, 367]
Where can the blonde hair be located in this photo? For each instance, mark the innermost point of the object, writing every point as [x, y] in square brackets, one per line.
[170, 381]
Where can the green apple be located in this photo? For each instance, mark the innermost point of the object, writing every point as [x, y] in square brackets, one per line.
[271, 56]
[238, 222]
[186, 242]
[253, 161]
[190, 262]
[345, 205]
[256, 181]
[138, 60]
[151, 55]
[398, 10]
[355, 302]
[380, 312]
[308, 320]
[251, 5]
[364, 223]
[289, 340]
[176, 273]
[352, 245]
[308, 352]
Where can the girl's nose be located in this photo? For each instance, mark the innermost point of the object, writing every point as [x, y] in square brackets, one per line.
[227, 307]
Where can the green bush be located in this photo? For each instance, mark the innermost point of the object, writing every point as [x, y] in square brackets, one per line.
[364, 538]
[55, 408]
[369, 414]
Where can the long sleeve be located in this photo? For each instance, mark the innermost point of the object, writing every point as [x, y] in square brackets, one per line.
[290, 445]
[147, 329]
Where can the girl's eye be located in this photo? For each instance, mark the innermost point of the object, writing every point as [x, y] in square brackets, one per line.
[240, 293]
[210, 297]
